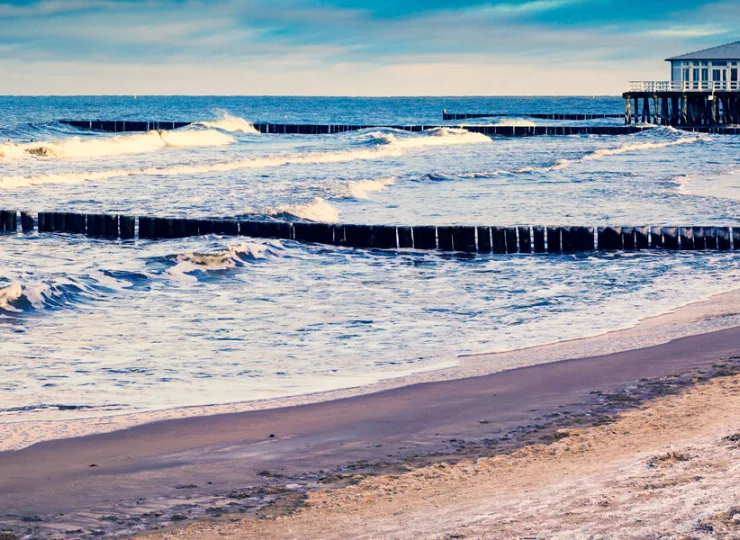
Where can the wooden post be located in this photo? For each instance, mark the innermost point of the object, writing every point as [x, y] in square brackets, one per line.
[405, 240]
[384, 236]
[641, 237]
[553, 239]
[723, 238]
[684, 110]
[463, 239]
[525, 240]
[511, 243]
[610, 238]
[628, 238]
[686, 234]
[484, 240]
[424, 237]
[627, 110]
[499, 239]
[637, 112]
[444, 237]
[670, 237]
[656, 110]
[539, 239]
[567, 242]
[27, 222]
[128, 227]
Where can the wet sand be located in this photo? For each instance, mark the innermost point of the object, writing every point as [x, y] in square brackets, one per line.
[669, 469]
[256, 461]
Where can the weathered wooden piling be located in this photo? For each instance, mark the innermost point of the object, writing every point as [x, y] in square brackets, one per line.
[499, 239]
[610, 238]
[628, 238]
[111, 226]
[699, 240]
[710, 237]
[553, 240]
[670, 237]
[583, 238]
[642, 237]
[320, 233]
[359, 236]
[567, 240]
[8, 221]
[146, 227]
[405, 237]
[444, 238]
[77, 223]
[128, 227]
[511, 241]
[27, 223]
[425, 237]
[463, 238]
[656, 237]
[686, 234]
[539, 239]
[226, 227]
[484, 240]
[723, 238]
[525, 239]
[384, 237]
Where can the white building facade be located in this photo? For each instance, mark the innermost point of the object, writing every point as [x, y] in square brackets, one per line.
[712, 69]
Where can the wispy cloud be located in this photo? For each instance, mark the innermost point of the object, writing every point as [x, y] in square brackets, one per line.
[337, 39]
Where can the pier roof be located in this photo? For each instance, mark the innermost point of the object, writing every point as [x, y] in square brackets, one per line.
[731, 51]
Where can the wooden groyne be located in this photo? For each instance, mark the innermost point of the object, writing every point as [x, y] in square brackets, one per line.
[519, 239]
[328, 129]
[538, 116]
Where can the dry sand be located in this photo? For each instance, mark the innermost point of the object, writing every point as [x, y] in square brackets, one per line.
[669, 469]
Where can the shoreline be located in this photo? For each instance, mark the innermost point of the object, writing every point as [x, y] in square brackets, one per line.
[160, 473]
[719, 311]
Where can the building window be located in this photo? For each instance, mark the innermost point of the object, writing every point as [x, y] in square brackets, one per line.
[704, 74]
[696, 74]
[686, 74]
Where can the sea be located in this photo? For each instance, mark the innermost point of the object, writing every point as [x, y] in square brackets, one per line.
[95, 327]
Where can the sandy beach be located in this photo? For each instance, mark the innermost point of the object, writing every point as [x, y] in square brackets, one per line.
[260, 463]
[668, 469]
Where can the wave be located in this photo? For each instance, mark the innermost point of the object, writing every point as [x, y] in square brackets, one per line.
[516, 122]
[316, 210]
[361, 189]
[606, 152]
[431, 137]
[18, 297]
[232, 124]
[218, 260]
[137, 143]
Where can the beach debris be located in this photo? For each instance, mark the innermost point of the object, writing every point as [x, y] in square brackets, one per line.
[668, 458]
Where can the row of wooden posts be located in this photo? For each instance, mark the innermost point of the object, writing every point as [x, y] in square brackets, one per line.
[325, 129]
[471, 239]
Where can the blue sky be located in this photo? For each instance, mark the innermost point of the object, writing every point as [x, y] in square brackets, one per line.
[350, 47]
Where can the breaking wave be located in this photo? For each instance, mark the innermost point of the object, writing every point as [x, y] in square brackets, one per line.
[137, 143]
[361, 189]
[721, 185]
[18, 297]
[218, 260]
[232, 124]
[316, 210]
[606, 152]
[516, 122]
[432, 137]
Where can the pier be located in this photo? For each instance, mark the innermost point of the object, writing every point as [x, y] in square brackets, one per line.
[704, 91]
[515, 239]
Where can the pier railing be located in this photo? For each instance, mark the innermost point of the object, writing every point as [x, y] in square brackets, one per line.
[684, 86]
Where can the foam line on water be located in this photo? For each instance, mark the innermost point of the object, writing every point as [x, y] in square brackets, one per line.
[397, 147]
[100, 147]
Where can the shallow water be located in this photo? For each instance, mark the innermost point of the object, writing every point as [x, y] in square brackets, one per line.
[132, 326]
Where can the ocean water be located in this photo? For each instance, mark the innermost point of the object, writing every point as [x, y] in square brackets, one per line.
[94, 327]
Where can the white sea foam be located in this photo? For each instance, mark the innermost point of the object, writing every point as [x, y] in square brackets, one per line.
[231, 123]
[361, 189]
[222, 259]
[33, 292]
[722, 185]
[516, 122]
[316, 210]
[95, 147]
[615, 151]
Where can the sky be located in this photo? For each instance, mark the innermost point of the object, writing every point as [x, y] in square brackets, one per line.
[350, 47]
